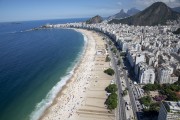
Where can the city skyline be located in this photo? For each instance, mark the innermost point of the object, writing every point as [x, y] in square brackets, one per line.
[23, 10]
[90, 59]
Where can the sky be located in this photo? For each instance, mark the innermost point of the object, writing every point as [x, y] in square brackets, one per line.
[23, 10]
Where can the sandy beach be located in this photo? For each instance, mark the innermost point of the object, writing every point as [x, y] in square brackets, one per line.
[83, 97]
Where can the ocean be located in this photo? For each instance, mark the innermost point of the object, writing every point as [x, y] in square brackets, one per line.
[34, 66]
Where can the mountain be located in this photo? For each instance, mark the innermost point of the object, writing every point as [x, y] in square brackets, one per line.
[157, 13]
[123, 14]
[94, 20]
[133, 11]
[177, 9]
[119, 15]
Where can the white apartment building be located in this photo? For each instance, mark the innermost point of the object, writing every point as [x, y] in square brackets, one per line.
[169, 111]
[124, 43]
[146, 74]
[164, 74]
[125, 46]
[135, 57]
[135, 47]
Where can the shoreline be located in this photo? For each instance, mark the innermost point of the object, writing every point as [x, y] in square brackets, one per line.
[83, 95]
[40, 110]
[70, 80]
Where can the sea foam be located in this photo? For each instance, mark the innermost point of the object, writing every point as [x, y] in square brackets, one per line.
[45, 103]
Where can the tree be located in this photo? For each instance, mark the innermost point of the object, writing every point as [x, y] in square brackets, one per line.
[110, 43]
[151, 87]
[146, 100]
[112, 88]
[169, 91]
[114, 50]
[172, 97]
[108, 58]
[154, 107]
[119, 62]
[124, 93]
[123, 54]
[109, 71]
[111, 101]
[175, 87]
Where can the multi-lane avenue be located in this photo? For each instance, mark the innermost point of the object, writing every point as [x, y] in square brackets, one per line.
[121, 115]
[121, 109]
[131, 95]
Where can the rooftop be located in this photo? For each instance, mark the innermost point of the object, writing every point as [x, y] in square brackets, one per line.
[172, 106]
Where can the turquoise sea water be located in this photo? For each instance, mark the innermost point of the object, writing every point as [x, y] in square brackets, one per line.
[33, 66]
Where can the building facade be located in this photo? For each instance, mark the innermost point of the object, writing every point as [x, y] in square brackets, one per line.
[169, 111]
[146, 74]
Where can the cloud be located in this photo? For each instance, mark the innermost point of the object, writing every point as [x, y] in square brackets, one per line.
[119, 3]
[170, 3]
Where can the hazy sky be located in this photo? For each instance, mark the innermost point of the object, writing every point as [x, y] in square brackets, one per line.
[20, 10]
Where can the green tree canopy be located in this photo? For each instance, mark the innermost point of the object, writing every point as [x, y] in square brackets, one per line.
[111, 101]
[146, 100]
[108, 58]
[112, 88]
[109, 71]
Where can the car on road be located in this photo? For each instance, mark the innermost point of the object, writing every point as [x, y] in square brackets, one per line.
[126, 103]
[124, 67]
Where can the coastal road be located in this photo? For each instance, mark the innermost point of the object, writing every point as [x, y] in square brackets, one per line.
[132, 98]
[121, 115]
[121, 108]
[131, 95]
